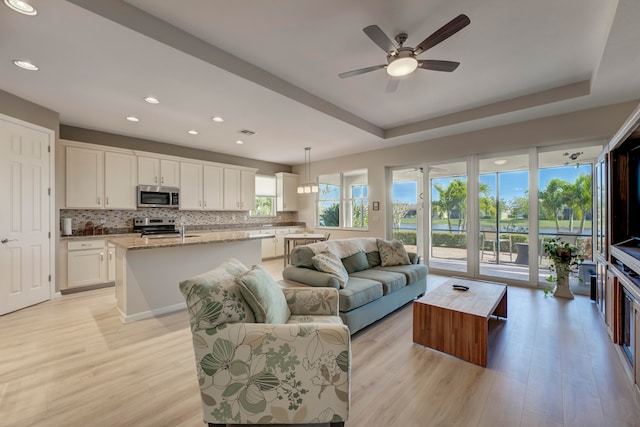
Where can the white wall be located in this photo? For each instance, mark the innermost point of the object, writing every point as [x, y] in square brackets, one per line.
[590, 124]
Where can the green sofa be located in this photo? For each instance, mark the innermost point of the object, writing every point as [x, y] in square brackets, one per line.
[371, 290]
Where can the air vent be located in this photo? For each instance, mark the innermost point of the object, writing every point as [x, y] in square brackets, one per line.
[247, 132]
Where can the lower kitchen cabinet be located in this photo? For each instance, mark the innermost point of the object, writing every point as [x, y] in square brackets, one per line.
[86, 263]
[111, 262]
[274, 246]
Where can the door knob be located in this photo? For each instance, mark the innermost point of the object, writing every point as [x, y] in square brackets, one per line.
[3, 241]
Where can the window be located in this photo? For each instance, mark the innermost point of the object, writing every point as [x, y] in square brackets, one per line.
[343, 200]
[265, 196]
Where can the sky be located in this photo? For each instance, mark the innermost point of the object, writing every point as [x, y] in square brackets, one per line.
[511, 184]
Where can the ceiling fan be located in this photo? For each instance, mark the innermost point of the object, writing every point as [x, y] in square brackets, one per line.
[402, 61]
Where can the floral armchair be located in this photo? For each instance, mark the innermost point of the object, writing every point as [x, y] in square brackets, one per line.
[293, 368]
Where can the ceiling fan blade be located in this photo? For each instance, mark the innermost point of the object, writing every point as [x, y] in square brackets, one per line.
[432, 64]
[392, 85]
[446, 31]
[360, 71]
[380, 38]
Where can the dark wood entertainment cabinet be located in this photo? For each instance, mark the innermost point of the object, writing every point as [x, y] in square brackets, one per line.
[617, 252]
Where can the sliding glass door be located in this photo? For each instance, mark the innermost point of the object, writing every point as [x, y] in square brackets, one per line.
[503, 198]
[448, 233]
[566, 209]
[407, 198]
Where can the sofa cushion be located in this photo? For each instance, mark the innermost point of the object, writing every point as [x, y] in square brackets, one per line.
[329, 263]
[391, 281]
[355, 262]
[301, 256]
[211, 295]
[392, 253]
[373, 258]
[264, 296]
[413, 272]
[359, 292]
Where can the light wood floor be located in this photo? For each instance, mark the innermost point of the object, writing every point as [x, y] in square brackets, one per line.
[70, 362]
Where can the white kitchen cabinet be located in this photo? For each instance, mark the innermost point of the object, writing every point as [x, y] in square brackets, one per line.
[158, 171]
[239, 190]
[279, 243]
[120, 180]
[269, 247]
[97, 179]
[273, 247]
[86, 263]
[286, 192]
[201, 187]
[190, 186]
[212, 188]
[111, 262]
[84, 178]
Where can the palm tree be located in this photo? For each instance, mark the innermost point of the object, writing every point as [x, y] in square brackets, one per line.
[552, 199]
[452, 199]
[584, 197]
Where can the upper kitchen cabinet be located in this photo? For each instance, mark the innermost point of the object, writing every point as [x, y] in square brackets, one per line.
[158, 171]
[98, 179]
[84, 178]
[120, 181]
[239, 189]
[286, 192]
[201, 187]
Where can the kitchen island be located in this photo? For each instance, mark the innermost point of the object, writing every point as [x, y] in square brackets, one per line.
[149, 269]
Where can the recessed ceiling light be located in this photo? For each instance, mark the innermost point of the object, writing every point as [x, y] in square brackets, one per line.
[21, 7]
[192, 132]
[500, 162]
[239, 142]
[26, 65]
[152, 100]
[133, 119]
[217, 119]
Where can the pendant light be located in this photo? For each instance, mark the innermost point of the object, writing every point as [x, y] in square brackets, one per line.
[308, 187]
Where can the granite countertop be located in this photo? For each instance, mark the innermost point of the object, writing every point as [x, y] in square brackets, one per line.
[134, 242]
[192, 230]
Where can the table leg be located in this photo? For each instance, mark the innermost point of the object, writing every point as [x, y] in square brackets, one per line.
[286, 251]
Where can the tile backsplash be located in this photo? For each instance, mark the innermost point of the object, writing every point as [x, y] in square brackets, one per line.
[121, 221]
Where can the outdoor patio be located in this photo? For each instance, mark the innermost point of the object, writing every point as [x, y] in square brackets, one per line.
[455, 261]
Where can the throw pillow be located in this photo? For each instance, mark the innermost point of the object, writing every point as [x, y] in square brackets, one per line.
[356, 262]
[214, 298]
[392, 253]
[373, 258]
[328, 262]
[264, 296]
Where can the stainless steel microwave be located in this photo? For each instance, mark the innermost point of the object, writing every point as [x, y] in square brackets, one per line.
[151, 196]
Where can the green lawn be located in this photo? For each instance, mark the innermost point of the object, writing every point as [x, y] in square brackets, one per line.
[486, 223]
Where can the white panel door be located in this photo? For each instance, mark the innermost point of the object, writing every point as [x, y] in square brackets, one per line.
[24, 217]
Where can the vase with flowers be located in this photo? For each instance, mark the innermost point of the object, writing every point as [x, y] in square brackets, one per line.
[565, 259]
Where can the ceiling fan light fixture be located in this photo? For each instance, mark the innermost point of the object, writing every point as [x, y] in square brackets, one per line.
[402, 66]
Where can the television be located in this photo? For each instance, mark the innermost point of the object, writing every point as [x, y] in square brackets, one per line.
[633, 202]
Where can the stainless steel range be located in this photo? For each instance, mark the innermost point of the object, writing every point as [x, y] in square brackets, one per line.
[155, 226]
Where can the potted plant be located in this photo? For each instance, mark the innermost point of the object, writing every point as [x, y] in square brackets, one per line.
[565, 259]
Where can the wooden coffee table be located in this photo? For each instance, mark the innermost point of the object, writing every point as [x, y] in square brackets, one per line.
[457, 322]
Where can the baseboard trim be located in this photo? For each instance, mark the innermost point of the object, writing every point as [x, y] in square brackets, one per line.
[152, 313]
